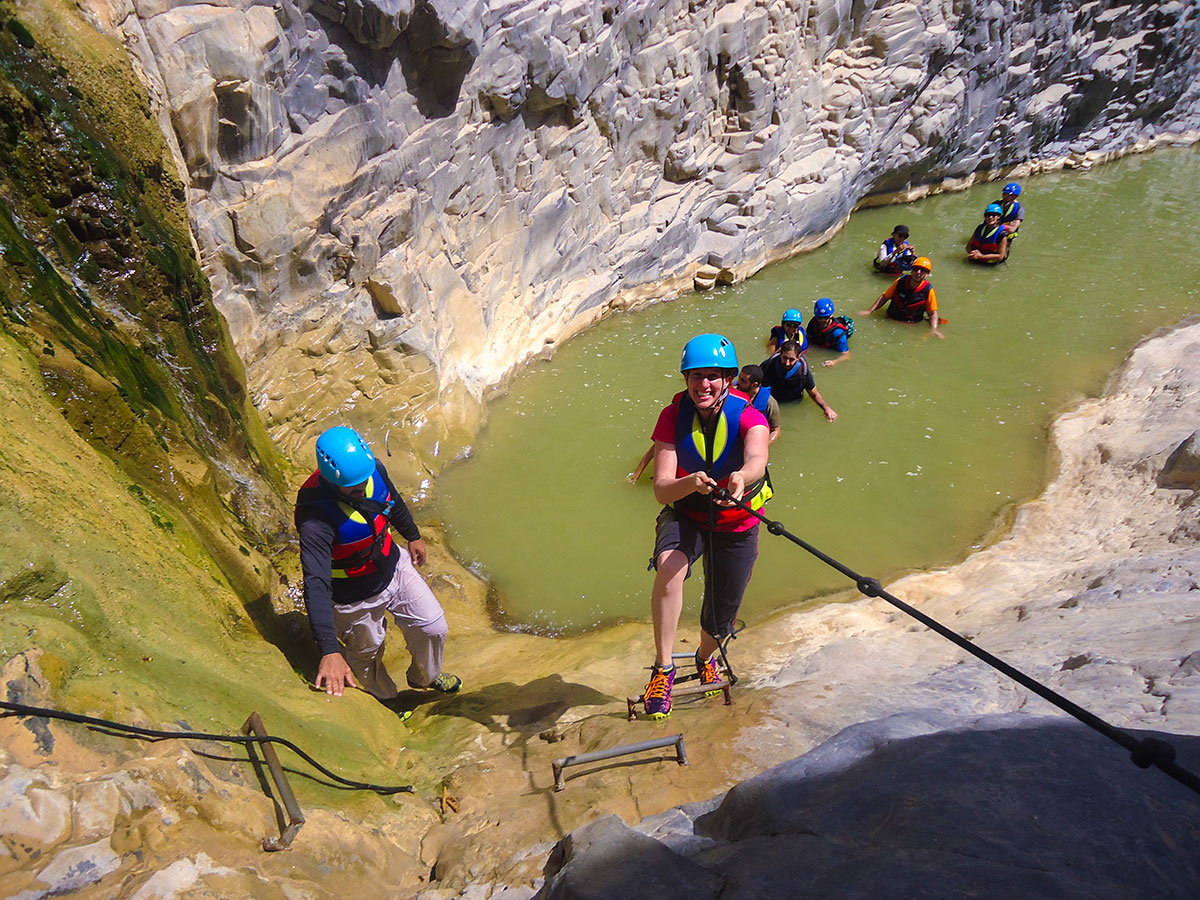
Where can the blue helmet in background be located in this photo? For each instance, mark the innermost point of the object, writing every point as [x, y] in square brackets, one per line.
[1013, 188]
[823, 307]
[793, 315]
[994, 209]
[343, 457]
[705, 350]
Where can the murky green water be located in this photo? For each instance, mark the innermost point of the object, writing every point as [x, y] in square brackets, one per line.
[935, 438]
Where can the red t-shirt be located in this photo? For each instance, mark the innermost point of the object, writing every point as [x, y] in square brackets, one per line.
[730, 519]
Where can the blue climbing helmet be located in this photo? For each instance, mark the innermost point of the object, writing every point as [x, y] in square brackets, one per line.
[706, 350]
[994, 209]
[1013, 188]
[823, 307]
[343, 457]
[792, 315]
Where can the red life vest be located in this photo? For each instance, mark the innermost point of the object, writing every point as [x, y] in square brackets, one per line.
[908, 303]
[826, 335]
[363, 539]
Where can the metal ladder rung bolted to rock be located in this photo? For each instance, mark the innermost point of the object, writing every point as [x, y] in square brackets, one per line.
[675, 740]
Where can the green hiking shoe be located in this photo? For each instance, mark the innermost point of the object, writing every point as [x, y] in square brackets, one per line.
[443, 684]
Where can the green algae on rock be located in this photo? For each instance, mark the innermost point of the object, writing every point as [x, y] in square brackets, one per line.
[98, 278]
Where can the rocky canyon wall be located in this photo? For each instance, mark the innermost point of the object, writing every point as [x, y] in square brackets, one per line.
[397, 201]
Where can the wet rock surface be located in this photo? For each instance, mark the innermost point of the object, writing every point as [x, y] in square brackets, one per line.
[1000, 805]
[919, 805]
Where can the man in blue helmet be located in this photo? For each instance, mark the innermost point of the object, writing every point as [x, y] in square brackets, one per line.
[709, 437]
[827, 330]
[355, 573]
[1012, 213]
[989, 243]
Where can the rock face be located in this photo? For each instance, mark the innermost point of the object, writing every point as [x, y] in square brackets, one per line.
[393, 198]
[927, 805]
[938, 776]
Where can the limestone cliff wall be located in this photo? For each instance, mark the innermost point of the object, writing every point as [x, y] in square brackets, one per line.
[399, 200]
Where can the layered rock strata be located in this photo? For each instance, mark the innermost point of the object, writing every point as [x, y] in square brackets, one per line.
[398, 202]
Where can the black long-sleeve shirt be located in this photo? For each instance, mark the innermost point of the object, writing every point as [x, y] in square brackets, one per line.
[321, 589]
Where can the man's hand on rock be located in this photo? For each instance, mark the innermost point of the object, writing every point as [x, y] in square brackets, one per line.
[334, 675]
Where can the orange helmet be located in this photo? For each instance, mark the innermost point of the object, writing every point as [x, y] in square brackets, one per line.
[922, 262]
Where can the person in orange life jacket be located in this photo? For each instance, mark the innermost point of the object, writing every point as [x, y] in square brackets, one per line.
[895, 253]
[788, 330]
[709, 437]
[989, 243]
[912, 297]
[788, 376]
[355, 573]
[749, 382]
[826, 331]
[1012, 213]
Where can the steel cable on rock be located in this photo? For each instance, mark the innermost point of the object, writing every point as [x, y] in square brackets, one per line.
[1143, 752]
[153, 735]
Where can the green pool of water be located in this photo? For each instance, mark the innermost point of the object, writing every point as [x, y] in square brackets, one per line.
[935, 439]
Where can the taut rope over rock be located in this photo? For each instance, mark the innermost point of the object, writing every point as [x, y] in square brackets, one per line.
[1143, 752]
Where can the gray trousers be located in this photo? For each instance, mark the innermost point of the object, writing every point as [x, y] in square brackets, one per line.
[362, 628]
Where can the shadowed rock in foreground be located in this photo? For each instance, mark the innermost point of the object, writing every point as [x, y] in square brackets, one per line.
[1000, 806]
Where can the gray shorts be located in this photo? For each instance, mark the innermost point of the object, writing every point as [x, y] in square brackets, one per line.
[728, 564]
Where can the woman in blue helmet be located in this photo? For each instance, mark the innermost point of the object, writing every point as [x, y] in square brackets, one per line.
[355, 573]
[788, 330]
[989, 243]
[709, 437]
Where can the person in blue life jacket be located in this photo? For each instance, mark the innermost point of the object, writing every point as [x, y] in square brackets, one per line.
[355, 573]
[789, 329]
[1012, 213]
[749, 382]
[708, 437]
[788, 376]
[830, 331]
[989, 243]
[895, 253]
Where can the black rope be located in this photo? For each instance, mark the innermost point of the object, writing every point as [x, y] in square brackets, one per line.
[1144, 752]
[120, 729]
